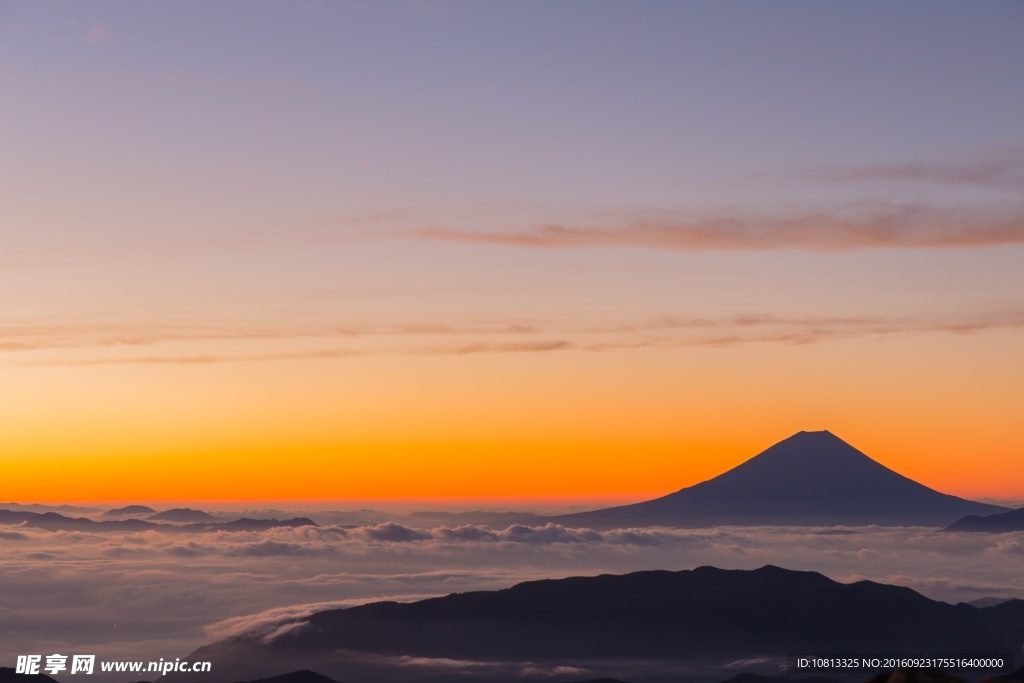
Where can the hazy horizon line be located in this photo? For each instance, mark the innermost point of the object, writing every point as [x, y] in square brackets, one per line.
[405, 501]
[426, 503]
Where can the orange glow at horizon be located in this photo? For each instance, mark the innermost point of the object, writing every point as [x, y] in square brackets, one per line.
[374, 251]
[572, 425]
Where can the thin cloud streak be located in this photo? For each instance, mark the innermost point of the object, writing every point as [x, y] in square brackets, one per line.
[268, 623]
[667, 332]
[876, 227]
[483, 347]
[327, 354]
[99, 33]
[741, 329]
[44, 337]
[1002, 171]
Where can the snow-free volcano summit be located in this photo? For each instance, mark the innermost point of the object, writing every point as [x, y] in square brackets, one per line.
[809, 479]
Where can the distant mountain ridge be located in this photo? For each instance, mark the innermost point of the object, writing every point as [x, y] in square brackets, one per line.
[52, 521]
[809, 479]
[36, 507]
[183, 515]
[994, 524]
[16, 516]
[490, 518]
[129, 510]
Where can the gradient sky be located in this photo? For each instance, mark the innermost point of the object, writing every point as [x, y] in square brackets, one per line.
[455, 249]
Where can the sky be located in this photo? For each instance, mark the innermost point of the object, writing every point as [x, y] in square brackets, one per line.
[441, 249]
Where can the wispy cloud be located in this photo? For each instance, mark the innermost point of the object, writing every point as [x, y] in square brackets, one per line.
[491, 347]
[267, 624]
[325, 354]
[99, 33]
[1000, 171]
[901, 226]
[494, 338]
[50, 335]
[766, 328]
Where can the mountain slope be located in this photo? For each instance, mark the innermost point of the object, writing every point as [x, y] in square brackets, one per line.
[16, 516]
[9, 675]
[1000, 523]
[661, 618]
[660, 613]
[51, 521]
[182, 515]
[129, 510]
[809, 479]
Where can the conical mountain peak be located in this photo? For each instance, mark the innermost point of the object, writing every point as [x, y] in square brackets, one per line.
[821, 438]
[822, 447]
[810, 464]
[811, 478]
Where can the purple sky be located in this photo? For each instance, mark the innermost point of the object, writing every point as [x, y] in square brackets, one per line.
[185, 184]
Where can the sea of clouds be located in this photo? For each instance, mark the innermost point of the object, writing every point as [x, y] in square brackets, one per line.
[149, 595]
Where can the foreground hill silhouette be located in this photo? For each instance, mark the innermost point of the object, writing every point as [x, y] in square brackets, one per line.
[9, 675]
[809, 479]
[634, 627]
[304, 676]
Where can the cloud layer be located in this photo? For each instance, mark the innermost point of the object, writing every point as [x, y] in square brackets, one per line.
[162, 596]
[447, 339]
[900, 226]
[1003, 170]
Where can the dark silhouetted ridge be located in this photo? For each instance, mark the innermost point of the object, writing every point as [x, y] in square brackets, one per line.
[182, 515]
[758, 678]
[662, 614]
[53, 521]
[303, 676]
[246, 524]
[129, 510]
[9, 675]
[16, 516]
[1000, 523]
